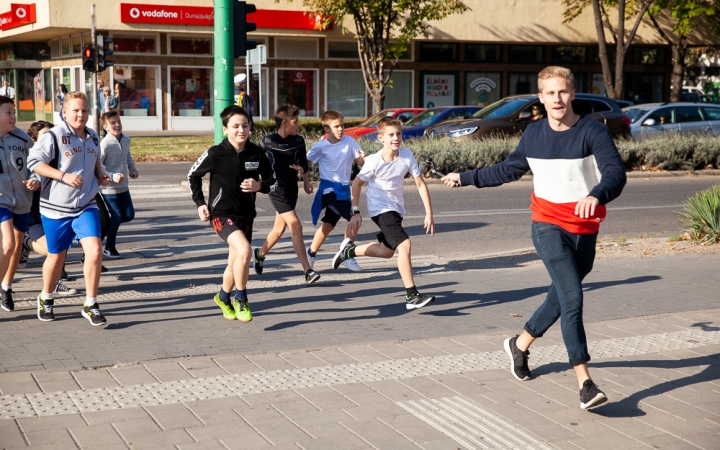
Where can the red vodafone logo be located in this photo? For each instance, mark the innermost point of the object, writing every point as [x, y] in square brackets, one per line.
[134, 13]
[21, 13]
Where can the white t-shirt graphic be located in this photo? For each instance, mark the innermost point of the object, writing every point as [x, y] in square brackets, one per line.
[335, 160]
[385, 180]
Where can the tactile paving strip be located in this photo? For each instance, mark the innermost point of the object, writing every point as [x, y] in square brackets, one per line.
[473, 426]
[73, 402]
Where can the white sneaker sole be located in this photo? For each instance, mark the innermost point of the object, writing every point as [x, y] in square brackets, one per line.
[420, 305]
[597, 401]
[352, 266]
[85, 315]
[506, 345]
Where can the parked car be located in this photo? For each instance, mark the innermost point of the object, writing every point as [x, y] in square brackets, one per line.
[624, 103]
[415, 127]
[512, 115]
[370, 125]
[653, 119]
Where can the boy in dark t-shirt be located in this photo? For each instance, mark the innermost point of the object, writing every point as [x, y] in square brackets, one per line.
[236, 167]
[286, 152]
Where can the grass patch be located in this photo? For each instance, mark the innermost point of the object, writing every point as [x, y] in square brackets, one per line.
[170, 148]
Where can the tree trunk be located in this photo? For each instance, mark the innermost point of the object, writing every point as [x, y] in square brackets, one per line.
[602, 49]
[379, 100]
[678, 72]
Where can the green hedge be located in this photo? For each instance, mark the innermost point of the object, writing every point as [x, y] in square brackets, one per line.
[669, 152]
[311, 129]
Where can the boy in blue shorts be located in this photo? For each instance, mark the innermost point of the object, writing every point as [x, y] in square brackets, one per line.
[334, 157]
[68, 159]
[15, 196]
[384, 173]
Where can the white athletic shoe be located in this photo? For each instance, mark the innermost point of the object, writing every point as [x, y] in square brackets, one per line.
[311, 259]
[352, 265]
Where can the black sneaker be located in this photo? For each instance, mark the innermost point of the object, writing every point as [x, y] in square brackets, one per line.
[92, 313]
[344, 254]
[518, 359]
[591, 396]
[6, 300]
[62, 289]
[418, 300]
[24, 254]
[103, 269]
[111, 253]
[258, 261]
[311, 276]
[64, 276]
[45, 309]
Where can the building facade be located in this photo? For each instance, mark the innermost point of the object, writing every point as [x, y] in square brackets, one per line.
[163, 55]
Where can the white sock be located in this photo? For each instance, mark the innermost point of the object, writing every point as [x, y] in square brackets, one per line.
[46, 296]
[5, 287]
[89, 301]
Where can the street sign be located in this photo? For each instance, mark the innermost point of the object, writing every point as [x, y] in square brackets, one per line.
[258, 55]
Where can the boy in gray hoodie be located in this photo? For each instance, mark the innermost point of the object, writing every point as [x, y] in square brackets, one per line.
[68, 159]
[15, 196]
[115, 156]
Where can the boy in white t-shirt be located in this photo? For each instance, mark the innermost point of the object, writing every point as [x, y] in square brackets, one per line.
[334, 157]
[384, 173]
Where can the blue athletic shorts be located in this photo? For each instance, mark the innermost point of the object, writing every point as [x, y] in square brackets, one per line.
[20, 221]
[60, 232]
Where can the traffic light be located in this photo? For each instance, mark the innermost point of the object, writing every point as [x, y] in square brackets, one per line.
[243, 27]
[104, 49]
[89, 61]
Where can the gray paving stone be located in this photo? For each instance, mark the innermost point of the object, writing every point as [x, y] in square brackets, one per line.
[211, 444]
[167, 371]
[113, 416]
[131, 428]
[607, 440]
[11, 435]
[333, 356]
[322, 429]
[269, 362]
[666, 441]
[373, 412]
[202, 367]
[49, 437]
[363, 353]
[392, 350]
[94, 379]
[349, 442]
[132, 375]
[272, 398]
[279, 430]
[171, 417]
[96, 436]
[17, 383]
[169, 438]
[52, 422]
[236, 364]
[56, 381]
[239, 430]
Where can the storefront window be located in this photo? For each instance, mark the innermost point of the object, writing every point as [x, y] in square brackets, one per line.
[65, 46]
[255, 92]
[77, 45]
[48, 94]
[482, 88]
[135, 89]
[526, 54]
[439, 52]
[439, 89]
[190, 91]
[66, 78]
[191, 45]
[298, 87]
[296, 48]
[400, 94]
[483, 53]
[569, 54]
[343, 49]
[522, 83]
[135, 44]
[645, 55]
[346, 92]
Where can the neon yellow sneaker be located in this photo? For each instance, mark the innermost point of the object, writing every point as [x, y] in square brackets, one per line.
[242, 310]
[227, 310]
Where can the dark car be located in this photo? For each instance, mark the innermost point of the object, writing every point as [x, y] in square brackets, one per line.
[415, 127]
[512, 115]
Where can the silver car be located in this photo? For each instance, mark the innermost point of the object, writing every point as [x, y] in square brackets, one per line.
[652, 119]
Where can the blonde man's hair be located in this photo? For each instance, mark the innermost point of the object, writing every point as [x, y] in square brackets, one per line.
[74, 95]
[330, 115]
[387, 122]
[555, 72]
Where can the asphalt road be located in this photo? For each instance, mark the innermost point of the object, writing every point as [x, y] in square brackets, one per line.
[471, 222]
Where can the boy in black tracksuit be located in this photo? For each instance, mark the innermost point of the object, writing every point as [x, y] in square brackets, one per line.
[236, 167]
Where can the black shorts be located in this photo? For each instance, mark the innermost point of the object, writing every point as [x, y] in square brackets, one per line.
[36, 231]
[335, 209]
[225, 226]
[283, 200]
[391, 233]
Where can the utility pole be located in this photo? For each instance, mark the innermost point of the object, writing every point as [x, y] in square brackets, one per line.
[96, 124]
[224, 62]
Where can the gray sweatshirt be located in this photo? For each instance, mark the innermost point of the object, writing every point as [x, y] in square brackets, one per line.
[115, 156]
[14, 149]
[77, 156]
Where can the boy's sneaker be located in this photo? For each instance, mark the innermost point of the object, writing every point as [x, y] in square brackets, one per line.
[258, 261]
[6, 300]
[311, 259]
[352, 265]
[227, 310]
[311, 276]
[111, 253]
[418, 300]
[61, 289]
[24, 254]
[92, 313]
[591, 396]
[45, 309]
[518, 359]
[344, 253]
[242, 310]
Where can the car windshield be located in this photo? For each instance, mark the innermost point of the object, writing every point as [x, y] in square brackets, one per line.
[503, 108]
[635, 113]
[425, 118]
[372, 122]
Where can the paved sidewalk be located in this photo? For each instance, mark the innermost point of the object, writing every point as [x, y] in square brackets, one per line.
[342, 365]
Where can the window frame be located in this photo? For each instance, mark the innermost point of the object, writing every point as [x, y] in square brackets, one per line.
[412, 91]
[543, 56]
[485, 61]
[455, 44]
[325, 99]
[123, 34]
[303, 69]
[168, 42]
[277, 47]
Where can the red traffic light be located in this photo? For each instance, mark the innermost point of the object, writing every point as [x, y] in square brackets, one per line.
[88, 52]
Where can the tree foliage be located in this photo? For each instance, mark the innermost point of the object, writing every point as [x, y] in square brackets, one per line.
[384, 28]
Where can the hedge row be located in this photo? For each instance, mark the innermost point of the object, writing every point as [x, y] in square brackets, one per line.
[669, 152]
[310, 128]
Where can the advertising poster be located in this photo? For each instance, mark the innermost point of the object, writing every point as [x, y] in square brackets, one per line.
[438, 90]
[598, 85]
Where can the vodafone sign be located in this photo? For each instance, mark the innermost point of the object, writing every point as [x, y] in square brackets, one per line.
[203, 16]
[19, 15]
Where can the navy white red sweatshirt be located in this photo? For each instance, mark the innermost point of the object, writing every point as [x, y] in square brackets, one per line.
[567, 166]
